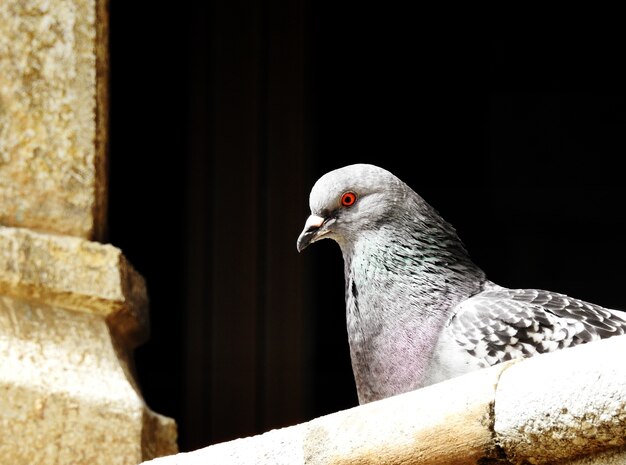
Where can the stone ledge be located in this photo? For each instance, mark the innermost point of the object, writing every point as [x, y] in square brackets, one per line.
[566, 404]
[567, 407]
[75, 274]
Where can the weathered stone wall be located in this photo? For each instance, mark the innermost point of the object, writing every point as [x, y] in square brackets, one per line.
[53, 117]
[71, 310]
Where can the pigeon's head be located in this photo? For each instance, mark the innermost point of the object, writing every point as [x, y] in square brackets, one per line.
[350, 200]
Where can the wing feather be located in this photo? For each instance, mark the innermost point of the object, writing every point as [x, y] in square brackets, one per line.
[501, 324]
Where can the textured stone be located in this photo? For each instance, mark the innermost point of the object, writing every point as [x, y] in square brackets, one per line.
[70, 313]
[53, 115]
[76, 274]
[564, 404]
[609, 457]
[567, 407]
[445, 424]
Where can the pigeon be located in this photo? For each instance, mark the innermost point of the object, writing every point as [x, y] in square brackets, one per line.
[418, 310]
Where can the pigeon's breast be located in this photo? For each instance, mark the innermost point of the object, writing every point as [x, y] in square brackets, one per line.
[391, 336]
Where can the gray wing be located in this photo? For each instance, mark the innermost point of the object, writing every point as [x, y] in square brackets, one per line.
[502, 324]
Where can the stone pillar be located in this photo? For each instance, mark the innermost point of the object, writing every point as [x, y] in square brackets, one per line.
[53, 115]
[71, 310]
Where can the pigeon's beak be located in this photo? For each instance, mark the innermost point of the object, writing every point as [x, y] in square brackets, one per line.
[311, 232]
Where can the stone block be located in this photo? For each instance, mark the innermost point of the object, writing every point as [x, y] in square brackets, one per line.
[53, 115]
[71, 311]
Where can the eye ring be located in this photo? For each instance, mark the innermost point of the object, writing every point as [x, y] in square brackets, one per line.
[348, 199]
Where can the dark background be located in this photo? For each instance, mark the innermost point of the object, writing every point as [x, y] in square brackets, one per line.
[512, 124]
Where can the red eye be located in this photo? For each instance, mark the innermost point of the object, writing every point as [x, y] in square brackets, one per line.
[348, 199]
